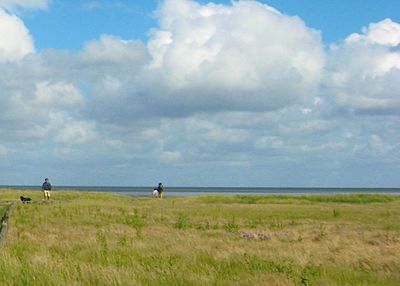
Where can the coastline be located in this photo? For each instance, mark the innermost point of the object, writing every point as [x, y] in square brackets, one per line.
[204, 191]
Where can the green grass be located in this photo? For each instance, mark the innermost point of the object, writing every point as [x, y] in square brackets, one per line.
[3, 209]
[302, 199]
[102, 239]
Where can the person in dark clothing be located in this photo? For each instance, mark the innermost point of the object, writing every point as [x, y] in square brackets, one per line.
[46, 188]
[160, 190]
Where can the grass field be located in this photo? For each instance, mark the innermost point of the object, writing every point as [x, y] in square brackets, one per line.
[104, 239]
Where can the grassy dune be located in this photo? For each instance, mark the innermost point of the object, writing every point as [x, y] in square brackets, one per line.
[103, 239]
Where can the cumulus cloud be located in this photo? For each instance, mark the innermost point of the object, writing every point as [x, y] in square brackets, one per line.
[208, 56]
[15, 40]
[30, 93]
[240, 90]
[385, 33]
[364, 70]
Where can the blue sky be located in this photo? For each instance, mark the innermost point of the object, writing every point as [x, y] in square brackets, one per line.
[193, 93]
[68, 24]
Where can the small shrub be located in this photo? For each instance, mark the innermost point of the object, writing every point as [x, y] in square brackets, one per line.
[336, 213]
[231, 226]
[203, 226]
[307, 274]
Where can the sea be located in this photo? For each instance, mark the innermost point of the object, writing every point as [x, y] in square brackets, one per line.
[204, 191]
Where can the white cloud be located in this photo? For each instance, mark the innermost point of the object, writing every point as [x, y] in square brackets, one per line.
[385, 33]
[114, 49]
[70, 131]
[208, 56]
[15, 40]
[365, 69]
[217, 89]
[58, 95]
[30, 92]
[32, 4]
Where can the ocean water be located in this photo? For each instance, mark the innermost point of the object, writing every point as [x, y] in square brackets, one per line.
[197, 191]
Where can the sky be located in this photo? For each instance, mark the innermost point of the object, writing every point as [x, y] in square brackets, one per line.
[195, 93]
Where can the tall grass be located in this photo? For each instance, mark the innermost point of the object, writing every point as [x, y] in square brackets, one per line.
[301, 199]
[3, 210]
[102, 239]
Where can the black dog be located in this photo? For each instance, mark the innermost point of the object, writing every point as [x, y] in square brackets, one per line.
[25, 199]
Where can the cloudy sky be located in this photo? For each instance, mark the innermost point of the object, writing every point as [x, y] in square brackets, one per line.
[197, 93]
